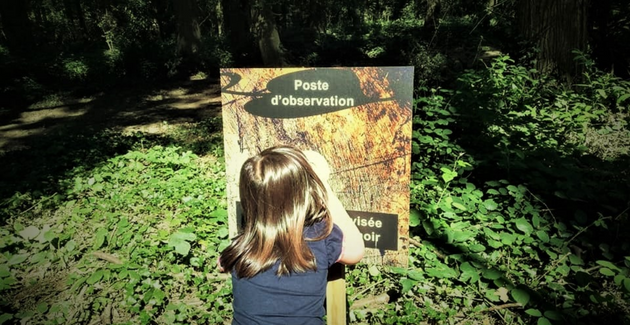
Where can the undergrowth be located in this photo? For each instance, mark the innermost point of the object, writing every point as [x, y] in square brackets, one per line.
[519, 203]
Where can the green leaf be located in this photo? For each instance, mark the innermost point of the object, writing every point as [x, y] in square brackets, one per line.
[460, 206]
[182, 247]
[606, 271]
[4, 270]
[407, 284]
[477, 248]
[553, 315]
[626, 284]
[5, 317]
[543, 321]
[17, 259]
[441, 271]
[373, 270]
[218, 213]
[619, 279]
[414, 218]
[520, 296]
[29, 232]
[575, 260]
[608, 264]
[223, 232]
[622, 98]
[491, 274]
[447, 174]
[398, 270]
[42, 307]
[490, 205]
[524, 226]
[416, 275]
[184, 235]
[469, 273]
[101, 234]
[95, 277]
[533, 312]
[542, 235]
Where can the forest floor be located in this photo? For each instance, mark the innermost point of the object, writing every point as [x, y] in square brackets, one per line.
[152, 110]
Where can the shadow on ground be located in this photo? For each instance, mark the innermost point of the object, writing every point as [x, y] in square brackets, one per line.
[40, 144]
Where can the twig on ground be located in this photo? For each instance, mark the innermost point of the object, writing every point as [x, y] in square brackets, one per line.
[419, 244]
[381, 299]
[504, 306]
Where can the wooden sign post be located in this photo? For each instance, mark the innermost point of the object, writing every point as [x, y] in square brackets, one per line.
[359, 119]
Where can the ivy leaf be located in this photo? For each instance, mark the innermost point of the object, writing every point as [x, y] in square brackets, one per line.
[407, 284]
[447, 174]
[414, 218]
[469, 273]
[524, 226]
[520, 296]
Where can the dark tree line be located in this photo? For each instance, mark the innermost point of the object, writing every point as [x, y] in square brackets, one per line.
[277, 32]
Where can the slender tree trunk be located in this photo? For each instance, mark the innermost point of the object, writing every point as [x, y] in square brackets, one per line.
[266, 33]
[432, 15]
[16, 25]
[81, 16]
[557, 28]
[236, 23]
[188, 31]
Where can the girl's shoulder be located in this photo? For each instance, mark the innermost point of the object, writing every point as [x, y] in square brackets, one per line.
[319, 229]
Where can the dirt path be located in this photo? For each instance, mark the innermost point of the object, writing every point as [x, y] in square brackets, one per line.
[125, 110]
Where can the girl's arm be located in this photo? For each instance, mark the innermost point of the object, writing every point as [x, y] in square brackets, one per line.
[353, 244]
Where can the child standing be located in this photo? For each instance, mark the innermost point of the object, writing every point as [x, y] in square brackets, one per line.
[294, 228]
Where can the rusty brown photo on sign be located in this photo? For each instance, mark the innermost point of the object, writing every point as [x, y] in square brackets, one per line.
[359, 119]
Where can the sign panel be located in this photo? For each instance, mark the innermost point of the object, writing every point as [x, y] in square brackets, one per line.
[359, 119]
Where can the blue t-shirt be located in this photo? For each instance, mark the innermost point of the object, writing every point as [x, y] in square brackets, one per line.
[297, 298]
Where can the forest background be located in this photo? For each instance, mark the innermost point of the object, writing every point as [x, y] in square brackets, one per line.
[112, 192]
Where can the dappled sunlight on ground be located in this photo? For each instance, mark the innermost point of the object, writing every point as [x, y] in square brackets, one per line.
[153, 111]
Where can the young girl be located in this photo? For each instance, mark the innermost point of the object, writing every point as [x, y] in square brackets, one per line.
[294, 228]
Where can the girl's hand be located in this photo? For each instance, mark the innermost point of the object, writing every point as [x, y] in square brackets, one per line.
[319, 164]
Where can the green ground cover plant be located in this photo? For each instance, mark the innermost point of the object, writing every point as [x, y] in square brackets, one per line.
[519, 204]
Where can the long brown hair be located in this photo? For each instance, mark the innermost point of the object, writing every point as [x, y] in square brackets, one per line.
[280, 194]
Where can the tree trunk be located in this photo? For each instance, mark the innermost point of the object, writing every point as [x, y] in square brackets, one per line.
[432, 15]
[266, 33]
[188, 32]
[236, 23]
[16, 26]
[557, 28]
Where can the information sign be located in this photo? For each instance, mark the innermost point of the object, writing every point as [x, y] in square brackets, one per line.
[358, 118]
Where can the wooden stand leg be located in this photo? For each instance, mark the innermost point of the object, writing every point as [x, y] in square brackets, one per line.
[336, 295]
